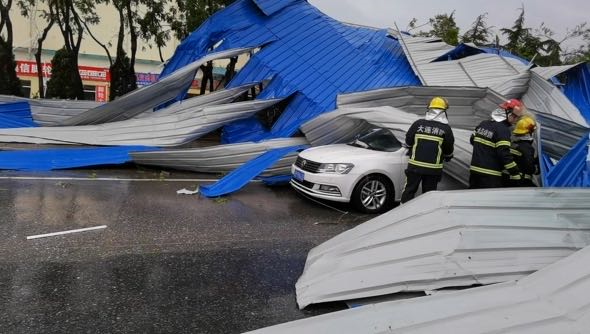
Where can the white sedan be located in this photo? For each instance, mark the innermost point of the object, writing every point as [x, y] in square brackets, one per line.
[368, 172]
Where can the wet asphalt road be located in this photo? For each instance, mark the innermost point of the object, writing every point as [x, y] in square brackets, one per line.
[166, 263]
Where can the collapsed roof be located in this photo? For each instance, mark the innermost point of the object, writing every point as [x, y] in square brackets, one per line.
[448, 239]
[298, 52]
[552, 300]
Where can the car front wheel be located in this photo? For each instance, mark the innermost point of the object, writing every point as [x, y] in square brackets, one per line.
[373, 194]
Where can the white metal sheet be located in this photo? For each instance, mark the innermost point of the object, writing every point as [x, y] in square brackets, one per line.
[449, 239]
[555, 299]
[221, 158]
[159, 130]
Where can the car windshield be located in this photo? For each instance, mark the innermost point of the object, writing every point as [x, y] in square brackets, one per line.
[377, 139]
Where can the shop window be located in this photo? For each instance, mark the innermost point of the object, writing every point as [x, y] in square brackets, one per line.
[89, 93]
[25, 88]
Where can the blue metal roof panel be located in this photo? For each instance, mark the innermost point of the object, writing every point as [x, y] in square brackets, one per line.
[577, 88]
[241, 176]
[43, 160]
[313, 53]
[572, 170]
[270, 7]
[16, 115]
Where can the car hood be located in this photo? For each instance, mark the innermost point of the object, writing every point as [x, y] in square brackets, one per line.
[341, 153]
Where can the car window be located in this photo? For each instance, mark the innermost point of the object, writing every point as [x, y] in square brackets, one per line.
[378, 140]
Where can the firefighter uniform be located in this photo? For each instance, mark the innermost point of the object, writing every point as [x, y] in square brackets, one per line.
[491, 155]
[524, 155]
[429, 142]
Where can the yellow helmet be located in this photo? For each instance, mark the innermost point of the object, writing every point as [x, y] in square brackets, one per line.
[438, 103]
[524, 126]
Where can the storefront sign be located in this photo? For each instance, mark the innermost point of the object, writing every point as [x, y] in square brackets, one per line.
[88, 73]
[101, 93]
[144, 79]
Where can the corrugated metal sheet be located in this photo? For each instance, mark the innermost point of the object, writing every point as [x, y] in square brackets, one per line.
[507, 76]
[577, 88]
[165, 131]
[253, 168]
[221, 158]
[545, 97]
[16, 115]
[468, 105]
[148, 97]
[305, 52]
[223, 96]
[551, 71]
[483, 70]
[343, 124]
[558, 135]
[49, 159]
[552, 300]
[572, 170]
[270, 7]
[449, 239]
[422, 50]
[50, 112]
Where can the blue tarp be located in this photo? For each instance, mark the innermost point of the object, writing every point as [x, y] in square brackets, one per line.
[304, 53]
[577, 88]
[16, 115]
[44, 160]
[242, 175]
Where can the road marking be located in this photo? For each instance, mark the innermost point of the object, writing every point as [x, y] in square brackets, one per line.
[65, 232]
[100, 179]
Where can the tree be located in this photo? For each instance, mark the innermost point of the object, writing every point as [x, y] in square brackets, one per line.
[539, 44]
[137, 19]
[185, 17]
[69, 16]
[479, 33]
[28, 8]
[517, 34]
[188, 15]
[445, 27]
[65, 79]
[9, 82]
[582, 53]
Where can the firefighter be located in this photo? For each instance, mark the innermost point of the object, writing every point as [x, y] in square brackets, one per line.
[430, 141]
[523, 150]
[491, 149]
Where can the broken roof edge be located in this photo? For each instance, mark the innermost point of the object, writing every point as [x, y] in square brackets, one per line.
[552, 298]
[354, 99]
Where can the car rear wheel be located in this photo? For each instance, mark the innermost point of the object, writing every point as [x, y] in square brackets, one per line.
[373, 194]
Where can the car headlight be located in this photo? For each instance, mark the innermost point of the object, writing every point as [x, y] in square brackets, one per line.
[335, 168]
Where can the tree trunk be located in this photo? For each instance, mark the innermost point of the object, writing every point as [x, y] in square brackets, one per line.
[38, 58]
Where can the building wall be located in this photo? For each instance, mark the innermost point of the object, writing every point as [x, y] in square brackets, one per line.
[92, 58]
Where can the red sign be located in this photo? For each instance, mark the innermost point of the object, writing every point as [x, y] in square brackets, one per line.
[100, 94]
[29, 68]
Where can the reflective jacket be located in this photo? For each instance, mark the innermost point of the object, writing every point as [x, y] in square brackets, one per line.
[524, 155]
[429, 143]
[491, 150]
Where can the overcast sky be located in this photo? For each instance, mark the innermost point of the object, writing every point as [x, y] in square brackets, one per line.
[557, 14]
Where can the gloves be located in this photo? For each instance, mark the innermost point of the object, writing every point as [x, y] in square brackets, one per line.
[448, 158]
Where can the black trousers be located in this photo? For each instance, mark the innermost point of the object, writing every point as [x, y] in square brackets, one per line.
[413, 180]
[481, 181]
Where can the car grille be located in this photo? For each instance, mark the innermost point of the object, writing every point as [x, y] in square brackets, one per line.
[303, 183]
[307, 165]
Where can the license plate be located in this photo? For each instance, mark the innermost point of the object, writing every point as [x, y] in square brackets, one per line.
[298, 175]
